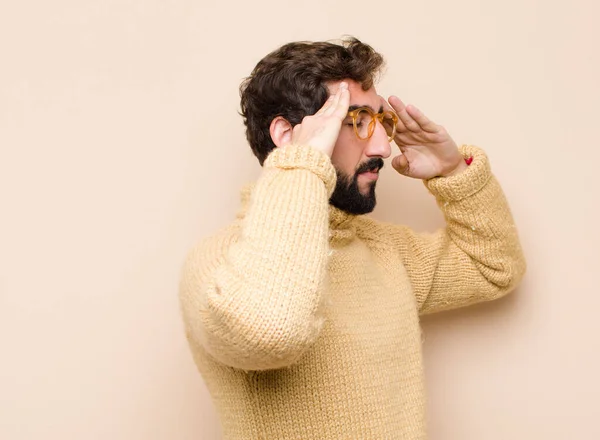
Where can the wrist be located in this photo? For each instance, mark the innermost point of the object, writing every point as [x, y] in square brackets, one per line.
[462, 166]
[293, 156]
[467, 183]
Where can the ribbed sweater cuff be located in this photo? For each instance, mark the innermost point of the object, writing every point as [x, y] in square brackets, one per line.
[304, 157]
[466, 183]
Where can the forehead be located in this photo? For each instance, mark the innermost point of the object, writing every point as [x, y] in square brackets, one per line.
[358, 96]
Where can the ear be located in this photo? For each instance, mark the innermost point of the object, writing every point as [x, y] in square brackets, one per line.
[281, 131]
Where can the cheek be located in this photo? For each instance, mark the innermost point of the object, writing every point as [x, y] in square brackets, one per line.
[347, 152]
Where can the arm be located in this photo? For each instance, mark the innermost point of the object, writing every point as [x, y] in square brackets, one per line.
[478, 256]
[253, 301]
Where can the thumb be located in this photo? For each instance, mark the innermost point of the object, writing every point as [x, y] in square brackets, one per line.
[400, 164]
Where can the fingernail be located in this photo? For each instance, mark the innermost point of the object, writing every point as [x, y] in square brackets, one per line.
[343, 85]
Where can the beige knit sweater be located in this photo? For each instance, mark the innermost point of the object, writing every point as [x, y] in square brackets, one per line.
[304, 320]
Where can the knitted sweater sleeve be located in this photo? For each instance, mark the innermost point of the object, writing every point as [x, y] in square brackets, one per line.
[252, 298]
[478, 256]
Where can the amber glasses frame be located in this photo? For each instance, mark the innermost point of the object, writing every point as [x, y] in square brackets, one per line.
[374, 118]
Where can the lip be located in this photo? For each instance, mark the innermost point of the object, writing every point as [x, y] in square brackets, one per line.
[370, 175]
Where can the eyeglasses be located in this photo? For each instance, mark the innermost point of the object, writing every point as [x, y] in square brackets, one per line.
[364, 120]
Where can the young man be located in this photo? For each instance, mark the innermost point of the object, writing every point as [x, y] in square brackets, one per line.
[303, 314]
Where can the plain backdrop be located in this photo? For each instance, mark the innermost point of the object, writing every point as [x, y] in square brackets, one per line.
[121, 146]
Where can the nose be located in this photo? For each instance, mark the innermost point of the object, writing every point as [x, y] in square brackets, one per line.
[378, 145]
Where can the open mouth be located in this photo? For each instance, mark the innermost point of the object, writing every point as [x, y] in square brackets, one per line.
[372, 170]
[371, 174]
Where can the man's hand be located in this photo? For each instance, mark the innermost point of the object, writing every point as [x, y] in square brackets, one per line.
[427, 149]
[321, 130]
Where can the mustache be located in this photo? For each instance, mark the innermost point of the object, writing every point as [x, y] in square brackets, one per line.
[375, 162]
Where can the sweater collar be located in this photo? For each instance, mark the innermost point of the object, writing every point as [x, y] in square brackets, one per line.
[342, 225]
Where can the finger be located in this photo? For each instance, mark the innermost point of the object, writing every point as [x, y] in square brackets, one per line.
[326, 105]
[408, 121]
[400, 127]
[333, 108]
[400, 164]
[333, 104]
[396, 104]
[421, 119]
[404, 139]
[341, 110]
[387, 107]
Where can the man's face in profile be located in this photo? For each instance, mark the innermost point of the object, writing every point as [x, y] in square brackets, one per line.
[357, 162]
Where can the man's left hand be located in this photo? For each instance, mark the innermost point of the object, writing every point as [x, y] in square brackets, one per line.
[427, 149]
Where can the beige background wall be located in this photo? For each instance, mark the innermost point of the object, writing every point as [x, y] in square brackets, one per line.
[120, 146]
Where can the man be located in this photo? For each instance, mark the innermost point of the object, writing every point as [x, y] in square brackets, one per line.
[303, 314]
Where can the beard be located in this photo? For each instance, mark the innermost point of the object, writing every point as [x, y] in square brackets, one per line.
[347, 196]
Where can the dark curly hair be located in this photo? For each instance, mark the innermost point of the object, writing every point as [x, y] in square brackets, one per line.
[290, 82]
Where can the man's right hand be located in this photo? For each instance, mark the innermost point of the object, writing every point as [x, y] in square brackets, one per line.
[322, 129]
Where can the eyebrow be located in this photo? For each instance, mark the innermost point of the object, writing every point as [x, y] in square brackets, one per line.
[354, 107]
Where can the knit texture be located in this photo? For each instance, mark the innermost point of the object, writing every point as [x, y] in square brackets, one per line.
[304, 320]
